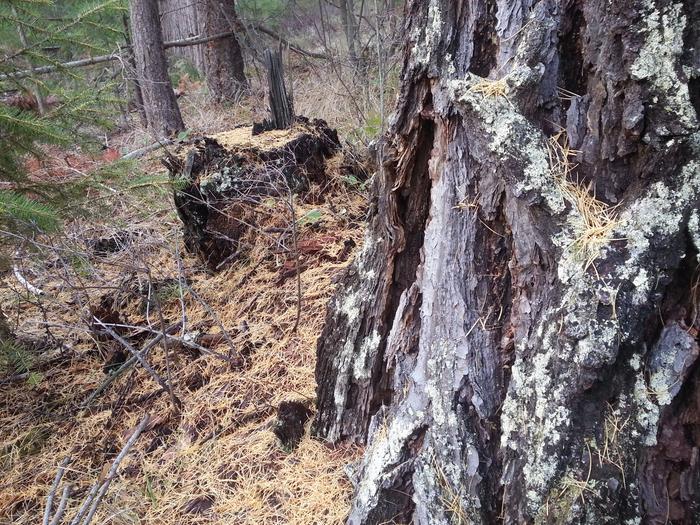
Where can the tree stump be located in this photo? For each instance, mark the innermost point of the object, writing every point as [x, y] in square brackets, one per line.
[281, 107]
[222, 178]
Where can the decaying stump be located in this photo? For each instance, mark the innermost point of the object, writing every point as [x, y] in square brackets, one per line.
[281, 107]
[219, 180]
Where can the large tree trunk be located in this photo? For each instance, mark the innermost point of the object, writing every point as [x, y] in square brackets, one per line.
[517, 340]
[223, 59]
[162, 112]
[179, 20]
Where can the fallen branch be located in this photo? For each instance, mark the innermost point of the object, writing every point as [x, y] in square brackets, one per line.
[215, 317]
[29, 286]
[68, 489]
[128, 364]
[147, 149]
[135, 353]
[54, 488]
[94, 497]
[191, 41]
[85, 504]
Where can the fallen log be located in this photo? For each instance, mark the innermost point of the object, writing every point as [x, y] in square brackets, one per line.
[222, 179]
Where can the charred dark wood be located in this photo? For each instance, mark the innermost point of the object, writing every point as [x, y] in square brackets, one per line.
[281, 107]
[289, 425]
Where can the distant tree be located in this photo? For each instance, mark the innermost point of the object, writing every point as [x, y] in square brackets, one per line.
[351, 29]
[162, 112]
[223, 60]
[179, 19]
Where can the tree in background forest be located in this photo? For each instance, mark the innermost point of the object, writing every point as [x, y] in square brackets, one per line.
[179, 19]
[223, 59]
[162, 112]
[518, 340]
[220, 61]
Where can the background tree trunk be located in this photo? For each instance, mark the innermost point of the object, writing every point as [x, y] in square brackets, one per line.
[517, 340]
[223, 59]
[350, 27]
[137, 99]
[180, 19]
[162, 112]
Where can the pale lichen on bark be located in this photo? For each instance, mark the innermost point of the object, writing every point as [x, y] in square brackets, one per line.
[577, 340]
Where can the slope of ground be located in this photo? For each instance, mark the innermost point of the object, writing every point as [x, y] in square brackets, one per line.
[233, 358]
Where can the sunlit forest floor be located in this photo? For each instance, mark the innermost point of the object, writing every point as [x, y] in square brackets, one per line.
[216, 460]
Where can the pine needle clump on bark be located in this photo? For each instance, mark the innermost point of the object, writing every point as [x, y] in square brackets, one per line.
[492, 88]
[595, 220]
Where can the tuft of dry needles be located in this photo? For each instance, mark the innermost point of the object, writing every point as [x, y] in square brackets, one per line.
[491, 88]
[596, 220]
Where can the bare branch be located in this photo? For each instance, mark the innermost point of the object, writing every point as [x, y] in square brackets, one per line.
[128, 364]
[62, 505]
[135, 353]
[54, 488]
[191, 41]
[24, 282]
[113, 470]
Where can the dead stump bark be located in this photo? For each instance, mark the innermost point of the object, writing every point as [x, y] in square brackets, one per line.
[224, 176]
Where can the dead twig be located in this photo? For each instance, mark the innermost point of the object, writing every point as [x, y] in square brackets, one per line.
[135, 353]
[54, 488]
[161, 321]
[297, 262]
[98, 495]
[62, 505]
[128, 364]
[24, 282]
[215, 317]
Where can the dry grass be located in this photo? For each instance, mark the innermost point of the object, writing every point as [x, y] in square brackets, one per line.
[216, 461]
[596, 220]
[611, 451]
[450, 498]
[491, 88]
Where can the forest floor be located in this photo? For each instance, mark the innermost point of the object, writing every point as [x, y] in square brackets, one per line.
[215, 459]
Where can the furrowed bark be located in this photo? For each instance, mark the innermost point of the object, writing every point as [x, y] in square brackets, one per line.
[223, 59]
[162, 112]
[182, 19]
[500, 365]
